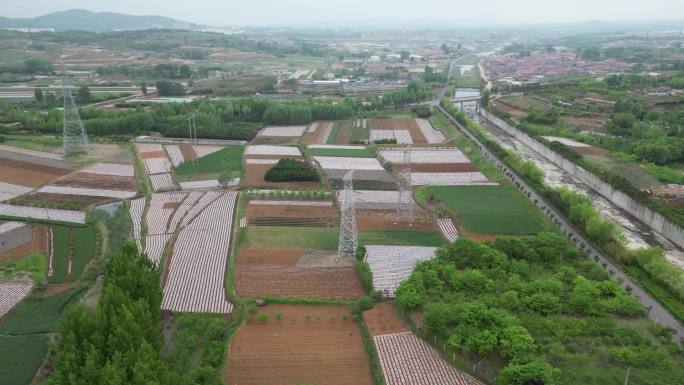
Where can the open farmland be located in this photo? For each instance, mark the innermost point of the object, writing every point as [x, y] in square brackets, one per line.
[21, 356]
[280, 135]
[41, 214]
[291, 213]
[318, 133]
[488, 209]
[157, 165]
[341, 151]
[392, 264]
[405, 130]
[11, 294]
[226, 160]
[298, 344]
[261, 158]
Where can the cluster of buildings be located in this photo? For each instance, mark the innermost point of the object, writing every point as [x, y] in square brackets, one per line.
[540, 65]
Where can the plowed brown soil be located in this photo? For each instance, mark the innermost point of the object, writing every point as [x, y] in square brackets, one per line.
[153, 154]
[591, 150]
[382, 319]
[481, 236]
[401, 124]
[367, 220]
[308, 345]
[270, 211]
[28, 174]
[188, 152]
[344, 132]
[86, 180]
[37, 245]
[262, 272]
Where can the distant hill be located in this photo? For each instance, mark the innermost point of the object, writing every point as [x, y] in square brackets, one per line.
[79, 19]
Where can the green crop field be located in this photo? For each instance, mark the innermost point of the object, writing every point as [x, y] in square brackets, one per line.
[228, 159]
[333, 133]
[60, 257]
[314, 238]
[401, 238]
[356, 153]
[37, 315]
[489, 209]
[33, 264]
[20, 357]
[84, 250]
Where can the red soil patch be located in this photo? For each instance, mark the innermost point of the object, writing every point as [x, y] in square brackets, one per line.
[434, 167]
[368, 220]
[591, 150]
[106, 182]
[254, 177]
[266, 256]
[28, 174]
[54, 289]
[153, 154]
[308, 345]
[400, 124]
[481, 236]
[382, 319]
[344, 132]
[37, 245]
[320, 215]
[276, 273]
[188, 152]
[515, 112]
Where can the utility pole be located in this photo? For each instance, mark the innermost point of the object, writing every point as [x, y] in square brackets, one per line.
[75, 139]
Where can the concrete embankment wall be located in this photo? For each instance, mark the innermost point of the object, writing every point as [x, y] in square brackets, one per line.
[645, 214]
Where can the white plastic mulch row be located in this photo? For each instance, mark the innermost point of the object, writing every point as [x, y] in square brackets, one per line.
[438, 155]
[183, 208]
[261, 161]
[431, 135]
[157, 165]
[374, 200]
[566, 141]
[113, 169]
[136, 212]
[149, 147]
[93, 192]
[450, 179]
[199, 184]
[263, 149]
[243, 222]
[9, 191]
[401, 136]
[407, 360]
[257, 202]
[336, 147]
[162, 182]
[175, 154]
[11, 294]
[285, 131]
[205, 200]
[206, 149]
[198, 262]
[348, 163]
[43, 214]
[392, 264]
[449, 231]
[154, 247]
[157, 215]
[9, 226]
[312, 127]
[326, 129]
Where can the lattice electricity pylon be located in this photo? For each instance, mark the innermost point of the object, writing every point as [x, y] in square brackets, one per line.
[75, 137]
[192, 130]
[348, 242]
[404, 204]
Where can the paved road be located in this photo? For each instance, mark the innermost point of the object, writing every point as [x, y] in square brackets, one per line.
[656, 311]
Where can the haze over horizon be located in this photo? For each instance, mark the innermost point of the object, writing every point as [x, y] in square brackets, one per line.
[296, 12]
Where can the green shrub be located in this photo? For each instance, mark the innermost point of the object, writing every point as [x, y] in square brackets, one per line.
[290, 170]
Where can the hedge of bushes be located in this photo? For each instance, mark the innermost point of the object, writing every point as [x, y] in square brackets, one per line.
[291, 170]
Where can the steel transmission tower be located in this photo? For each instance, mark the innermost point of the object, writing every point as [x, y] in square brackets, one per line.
[404, 204]
[75, 137]
[348, 242]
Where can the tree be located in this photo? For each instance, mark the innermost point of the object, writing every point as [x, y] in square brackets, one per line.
[405, 55]
[83, 96]
[143, 88]
[170, 88]
[516, 342]
[38, 94]
[36, 64]
[484, 100]
[536, 372]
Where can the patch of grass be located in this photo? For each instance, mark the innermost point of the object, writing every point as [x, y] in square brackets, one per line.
[489, 209]
[228, 159]
[401, 238]
[38, 315]
[60, 256]
[360, 133]
[333, 133]
[84, 250]
[33, 264]
[661, 294]
[20, 357]
[315, 238]
[356, 153]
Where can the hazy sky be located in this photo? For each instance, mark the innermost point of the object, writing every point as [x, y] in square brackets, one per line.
[262, 12]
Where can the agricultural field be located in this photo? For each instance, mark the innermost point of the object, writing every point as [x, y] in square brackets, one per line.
[393, 264]
[321, 132]
[354, 151]
[72, 249]
[227, 161]
[21, 356]
[298, 344]
[405, 131]
[261, 158]
[486, 210]
[280, 135]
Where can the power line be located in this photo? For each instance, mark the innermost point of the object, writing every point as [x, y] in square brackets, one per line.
[348, 242]
[75, 138]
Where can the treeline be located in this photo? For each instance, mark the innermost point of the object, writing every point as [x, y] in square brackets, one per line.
[504, 304]
[413, 93]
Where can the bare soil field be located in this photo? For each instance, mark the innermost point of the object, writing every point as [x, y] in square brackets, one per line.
[28, 174]
[308, 345]
[515, 112]
[320, 215]
[71, 202]
[401, 124]
[254, 177]
[153, 154]
[295, 273]
[382, 319]
[98, 181]
[188, 152]
[481, 236]
[37, 245]
[437, 167]
[367, 220]
[344, 132]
